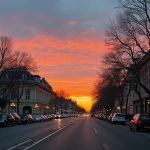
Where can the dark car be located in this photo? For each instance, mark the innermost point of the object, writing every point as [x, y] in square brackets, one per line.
[17, 118]
[140, 121]
[6, 119]
[26, 118]
[118, 118]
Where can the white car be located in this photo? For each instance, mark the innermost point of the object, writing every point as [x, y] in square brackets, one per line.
[118, 118]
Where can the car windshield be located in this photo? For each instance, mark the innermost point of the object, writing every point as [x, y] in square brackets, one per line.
[145, 117]
[119, 115]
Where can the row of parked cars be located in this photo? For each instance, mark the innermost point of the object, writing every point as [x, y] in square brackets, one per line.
[13, 118]
[115, 118]
[137, 122]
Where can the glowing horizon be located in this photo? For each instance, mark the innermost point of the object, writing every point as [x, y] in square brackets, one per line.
[85, 102]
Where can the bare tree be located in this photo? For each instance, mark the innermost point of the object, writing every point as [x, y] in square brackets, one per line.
[23, 59]
[6, 45]
[105, 91]
[129, 36]
[137, 22]
[9, 59]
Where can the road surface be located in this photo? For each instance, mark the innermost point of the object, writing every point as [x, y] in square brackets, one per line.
[81, 133]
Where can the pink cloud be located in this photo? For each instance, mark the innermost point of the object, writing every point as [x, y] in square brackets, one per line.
[67, 64]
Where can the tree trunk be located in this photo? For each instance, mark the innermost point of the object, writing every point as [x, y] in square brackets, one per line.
[127, 100]
[121, 101]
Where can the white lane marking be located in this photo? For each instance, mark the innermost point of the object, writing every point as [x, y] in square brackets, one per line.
[41, 140]
[106, 147]
[18, 145]
[95, 130]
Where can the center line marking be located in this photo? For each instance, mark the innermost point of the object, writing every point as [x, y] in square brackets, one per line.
[18, 145]
[95, 130]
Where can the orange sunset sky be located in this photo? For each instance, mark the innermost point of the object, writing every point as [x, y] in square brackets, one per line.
[65, 38]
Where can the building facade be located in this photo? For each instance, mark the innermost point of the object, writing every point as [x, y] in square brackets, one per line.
[138, 98]
[26, 93]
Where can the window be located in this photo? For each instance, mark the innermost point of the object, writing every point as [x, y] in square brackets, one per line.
[24, 76]
[27, 94]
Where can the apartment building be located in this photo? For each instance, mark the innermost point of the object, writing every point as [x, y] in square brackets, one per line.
[26, 93]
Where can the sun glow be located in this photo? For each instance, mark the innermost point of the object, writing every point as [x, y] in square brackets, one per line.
[84, 101]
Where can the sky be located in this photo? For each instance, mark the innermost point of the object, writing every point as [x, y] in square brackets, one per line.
[66, 38]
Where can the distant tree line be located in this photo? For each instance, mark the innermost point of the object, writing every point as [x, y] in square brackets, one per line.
[63, 102]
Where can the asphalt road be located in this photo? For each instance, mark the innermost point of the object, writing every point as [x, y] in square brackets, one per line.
[82, 133]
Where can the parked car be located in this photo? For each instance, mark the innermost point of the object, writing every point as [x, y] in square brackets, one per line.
[26, 118]
[49, 116]
[40, 118]
[65, 115]
[17, 118]
[118, 118]
[36, 118]
[96, 115]
[110, 117]
[44, 117]
[102, 116]
[140, 121]
[7, 119]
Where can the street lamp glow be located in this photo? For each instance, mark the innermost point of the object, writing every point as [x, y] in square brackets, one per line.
[36, 106]
[13, 105]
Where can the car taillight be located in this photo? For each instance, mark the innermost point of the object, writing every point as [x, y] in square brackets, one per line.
[139, 122]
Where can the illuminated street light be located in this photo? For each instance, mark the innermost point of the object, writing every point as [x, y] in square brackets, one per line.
[13, 105]
[47, 107]
[36, 106]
